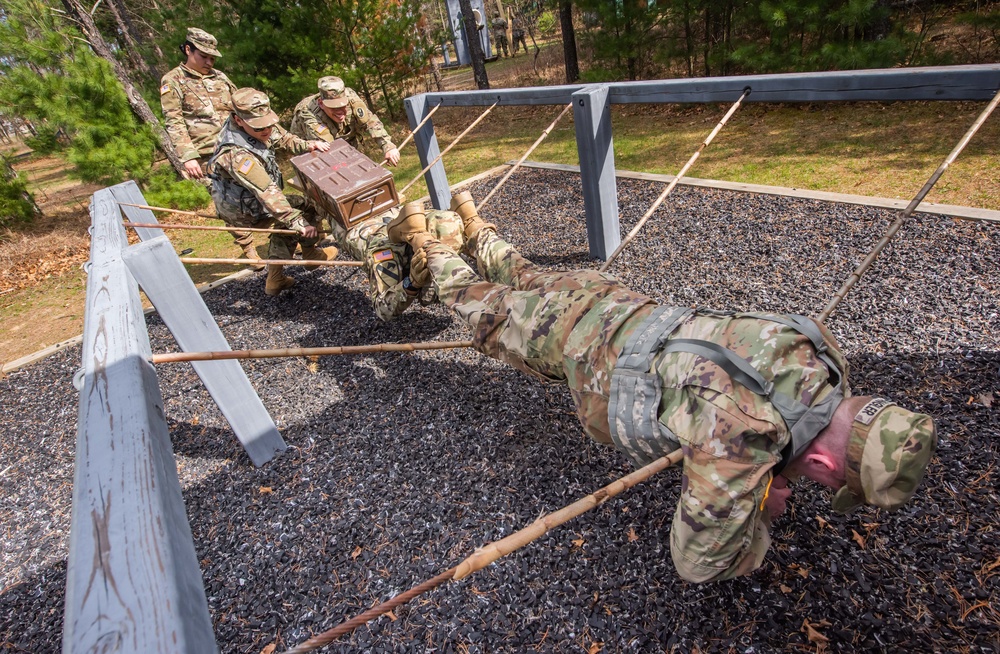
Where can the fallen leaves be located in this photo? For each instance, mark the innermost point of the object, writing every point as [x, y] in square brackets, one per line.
[814, 635]
[265, 490]
[858, 538]
[269, 649]
[632, 536]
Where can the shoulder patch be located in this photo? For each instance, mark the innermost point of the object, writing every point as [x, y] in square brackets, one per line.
[246, 166]
[382, 255]
[321, 129]
[360, 111]
[164, 89]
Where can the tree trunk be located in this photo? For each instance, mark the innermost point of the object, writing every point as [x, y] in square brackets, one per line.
[131, 36]
[569, 41]
[435, 69]
[135, 99]
[475, 47]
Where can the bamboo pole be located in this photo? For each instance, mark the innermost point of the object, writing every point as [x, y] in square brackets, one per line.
[176, 357]
[910, 208]
[520, 161]
[673, 183]
[450, 146]
[276, 262]
[487, 554]
[211, 228]
[415, 130]
[201, 215]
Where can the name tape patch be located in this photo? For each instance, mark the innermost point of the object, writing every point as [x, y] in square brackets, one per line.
[868, 412]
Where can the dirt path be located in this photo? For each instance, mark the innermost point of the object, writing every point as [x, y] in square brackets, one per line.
[41, 280]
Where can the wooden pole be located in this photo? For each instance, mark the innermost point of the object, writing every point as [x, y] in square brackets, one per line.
[910, 208]
[450, 146]
[175, 357]
[167, 210]
[673, 183]
[415, 130]
[201, 215]
[211, 228]
[520, 161]
[487, 554]
[276, 262]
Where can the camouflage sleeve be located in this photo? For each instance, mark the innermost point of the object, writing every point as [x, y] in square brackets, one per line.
[385, 277]
[171, 101]
[249, 173]
[308, 126]
[720, 530]
[281, 139]
[372, 125]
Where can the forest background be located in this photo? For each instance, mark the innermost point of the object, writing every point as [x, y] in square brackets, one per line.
[79, 102]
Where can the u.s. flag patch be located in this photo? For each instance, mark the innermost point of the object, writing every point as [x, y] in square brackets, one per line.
[321, 129]
[246, 166]
[164, 89]
[382, 255]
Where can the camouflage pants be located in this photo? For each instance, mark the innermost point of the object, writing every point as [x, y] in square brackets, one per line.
[240, 237]
[519, 38]
[388, 263]
[500, 38]
[556, 326]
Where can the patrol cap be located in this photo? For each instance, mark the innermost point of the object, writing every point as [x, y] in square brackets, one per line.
[254, 108]
[333, 92]
[887, 453]
[203, 41]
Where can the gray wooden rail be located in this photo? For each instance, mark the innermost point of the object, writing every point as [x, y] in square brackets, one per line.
[592, 114]
[133, 583]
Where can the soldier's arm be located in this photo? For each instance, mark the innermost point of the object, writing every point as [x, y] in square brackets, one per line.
[173, 115]
[310, 127]
[373, 126]
[281, 139]
[249, 173]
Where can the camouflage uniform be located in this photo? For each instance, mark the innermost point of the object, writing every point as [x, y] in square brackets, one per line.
[310, 121]
[571, 327]
[247, 183]
[499, 26]
[518, 35]
[195, 106]
[387, 263]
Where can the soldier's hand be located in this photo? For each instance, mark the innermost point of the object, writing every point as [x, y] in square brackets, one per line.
[309, 232]
[322, 146]
[392, 157]
[192, 169]
[777, 496]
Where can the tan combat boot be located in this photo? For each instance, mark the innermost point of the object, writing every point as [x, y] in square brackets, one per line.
[463, 204]
[313, 253]
[250, 252]
[410, 226]
[276, 280]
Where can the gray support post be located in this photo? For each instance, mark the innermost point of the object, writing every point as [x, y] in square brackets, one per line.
[427, 149]
[132, 583]
[129, 192]
[155, 265]
[592, 115]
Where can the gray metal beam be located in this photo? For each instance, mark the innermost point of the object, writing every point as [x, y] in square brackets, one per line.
[978, 82]
[132, 583]
[129, 192]
[592, 116]
[159, 271]
[427, 149]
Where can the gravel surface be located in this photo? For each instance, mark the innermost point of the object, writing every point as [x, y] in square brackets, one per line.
[400, 465]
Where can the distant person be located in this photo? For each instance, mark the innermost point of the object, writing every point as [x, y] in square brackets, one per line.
[197, 100]
[518, 34]
[337, 112]
[755, 400]
[499, 26]
[247, 183]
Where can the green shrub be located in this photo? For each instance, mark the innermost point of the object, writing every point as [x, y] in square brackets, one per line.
[547, 23]
[16, 203]
[164, 190]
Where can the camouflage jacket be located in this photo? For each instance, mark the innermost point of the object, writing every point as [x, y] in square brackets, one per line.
[195, 107]
[310, 122]
[247, 182]
[499, 25]
[387, 263]
[571, 326]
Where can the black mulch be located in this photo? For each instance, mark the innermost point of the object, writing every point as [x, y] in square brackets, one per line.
[400, 465]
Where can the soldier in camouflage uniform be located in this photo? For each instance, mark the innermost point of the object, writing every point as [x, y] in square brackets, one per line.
[197, 101]
[247, 183]
[518, 35]
[499, 26]
[337, 112]
[754, 400]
